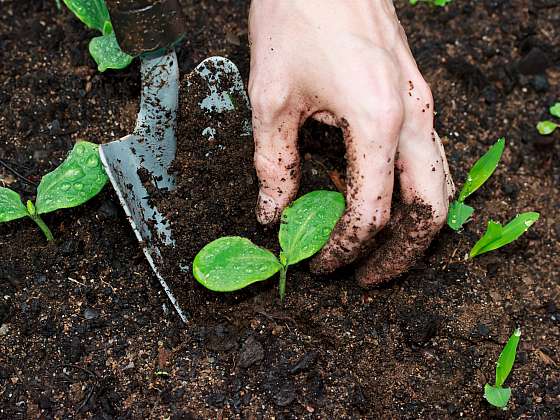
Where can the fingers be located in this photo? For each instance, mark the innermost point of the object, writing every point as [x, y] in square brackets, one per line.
[425, 190]
[371, 137]
[277, 161]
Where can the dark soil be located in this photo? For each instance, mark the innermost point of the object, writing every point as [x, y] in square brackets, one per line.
[86, 330]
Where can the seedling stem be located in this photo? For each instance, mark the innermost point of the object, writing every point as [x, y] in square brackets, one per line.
[282, 284]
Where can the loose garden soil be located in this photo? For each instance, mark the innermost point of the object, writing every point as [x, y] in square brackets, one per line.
[86, 330]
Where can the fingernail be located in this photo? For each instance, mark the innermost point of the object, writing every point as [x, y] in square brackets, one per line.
[267, 209]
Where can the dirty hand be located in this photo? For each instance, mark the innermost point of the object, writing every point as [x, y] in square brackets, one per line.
[348, 64]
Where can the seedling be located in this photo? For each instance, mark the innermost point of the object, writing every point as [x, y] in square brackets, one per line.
[79, 178]
[496, 395]
[459, 213]
[497, 236]
[548, 127]
[440, 3]
[104, 49]
[232, 263]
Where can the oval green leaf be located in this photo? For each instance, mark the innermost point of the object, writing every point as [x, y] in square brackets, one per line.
[507, 358]
[232, 263]
[107, 54]
[93, 13]
[308, 222]
[80, 177]
[555, 110]
[497, 396]
[497, 236]
[459, 213]
[483, 169]
[11, 207]
[546, 128]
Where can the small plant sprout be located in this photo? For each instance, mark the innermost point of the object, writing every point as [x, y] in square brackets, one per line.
[104, 49]
[79, 178]
[497, 236]
[232, 263]
[555, 110]
[440, 3]
[496, 395]
[459, 213]
[548, 127]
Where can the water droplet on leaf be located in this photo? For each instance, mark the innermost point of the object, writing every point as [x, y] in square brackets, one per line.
[92, 161]
[74, 173]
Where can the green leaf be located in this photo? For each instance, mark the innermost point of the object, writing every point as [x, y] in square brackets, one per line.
[93, 13]
[232, 263]
[546, 128]
[79, 178]
[483, 169]
[497, 396]
[107, 54]
[493, 232]
[507, 358]
[308, 222]
[459, 213]
[555, 110]
[11, 207]
[497, 236]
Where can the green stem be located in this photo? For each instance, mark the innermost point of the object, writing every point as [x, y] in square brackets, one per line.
[282, 285]
[37, 219]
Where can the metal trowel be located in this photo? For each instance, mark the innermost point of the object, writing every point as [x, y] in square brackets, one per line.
[152, 145]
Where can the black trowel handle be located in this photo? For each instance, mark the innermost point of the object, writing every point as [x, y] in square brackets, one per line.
[143, 26]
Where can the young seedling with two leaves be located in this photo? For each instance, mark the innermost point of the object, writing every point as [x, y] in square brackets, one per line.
[548, 127]
[496, 235]
[104, 49]
[79, 178]
[232, 263]
[459, 212]
[495, 394]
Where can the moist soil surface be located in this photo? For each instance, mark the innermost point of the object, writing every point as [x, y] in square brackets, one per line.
[87, 331]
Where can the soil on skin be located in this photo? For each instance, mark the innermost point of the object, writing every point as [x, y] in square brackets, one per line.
[86, 330]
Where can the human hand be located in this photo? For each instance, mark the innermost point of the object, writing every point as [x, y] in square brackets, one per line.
[348, 64]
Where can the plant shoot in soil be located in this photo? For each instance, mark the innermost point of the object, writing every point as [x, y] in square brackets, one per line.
[104, 49]
[459, 213]
[497, 236]
[232, 263]
[79, 178]
[547, 127]
[495, 394]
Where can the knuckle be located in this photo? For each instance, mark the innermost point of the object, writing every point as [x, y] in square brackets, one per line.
[387, 109]
[268, 100]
